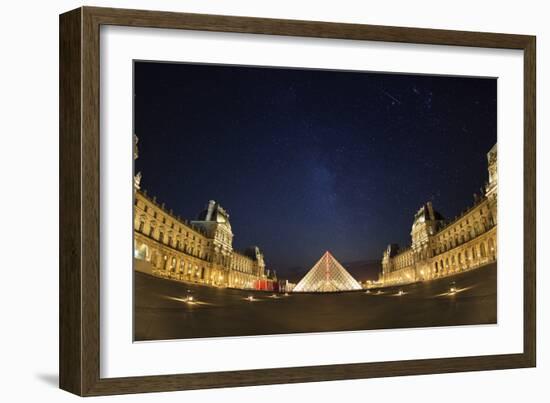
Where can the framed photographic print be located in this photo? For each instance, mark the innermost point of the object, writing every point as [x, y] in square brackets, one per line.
[249, 201]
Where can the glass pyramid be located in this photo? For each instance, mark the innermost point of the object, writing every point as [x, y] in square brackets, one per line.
[327, 276]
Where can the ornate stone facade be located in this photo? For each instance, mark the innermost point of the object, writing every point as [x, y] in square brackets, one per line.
[442, 248]
[196, 251]
[199, 251]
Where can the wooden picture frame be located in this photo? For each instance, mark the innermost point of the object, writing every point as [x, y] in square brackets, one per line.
[79, 346]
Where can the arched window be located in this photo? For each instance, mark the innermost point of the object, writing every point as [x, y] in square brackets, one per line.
[182, 266]
[482, 248]
[173, 266]
[478, 228]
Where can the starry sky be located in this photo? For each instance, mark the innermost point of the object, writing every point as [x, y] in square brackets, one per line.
[312, 160]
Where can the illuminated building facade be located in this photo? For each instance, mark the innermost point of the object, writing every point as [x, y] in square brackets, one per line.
[441, 248]
[199, 251]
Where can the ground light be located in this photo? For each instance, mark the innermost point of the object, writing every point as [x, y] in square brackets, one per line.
[250, 298]
[286, 294]
[400, 292]
[367, 292]
[452, 288]
[189, 298]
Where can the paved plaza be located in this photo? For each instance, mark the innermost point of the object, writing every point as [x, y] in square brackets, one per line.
[163, 309]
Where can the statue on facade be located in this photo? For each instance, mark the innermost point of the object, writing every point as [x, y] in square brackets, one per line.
[137, 180]
[136, 154]
[137, 177]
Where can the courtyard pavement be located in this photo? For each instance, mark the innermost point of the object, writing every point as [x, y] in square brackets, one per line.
[163, 310]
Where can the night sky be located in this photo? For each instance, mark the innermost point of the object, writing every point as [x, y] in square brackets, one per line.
[312, 160]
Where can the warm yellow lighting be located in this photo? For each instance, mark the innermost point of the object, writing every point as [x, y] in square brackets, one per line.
[400, 292]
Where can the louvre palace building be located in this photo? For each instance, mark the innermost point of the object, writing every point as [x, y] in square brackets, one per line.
[199, 251]
[440, 247]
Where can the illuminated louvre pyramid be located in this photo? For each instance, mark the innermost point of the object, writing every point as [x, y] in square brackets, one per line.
[327, 276]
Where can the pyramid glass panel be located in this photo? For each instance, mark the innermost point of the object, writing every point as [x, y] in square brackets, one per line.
[327, 276]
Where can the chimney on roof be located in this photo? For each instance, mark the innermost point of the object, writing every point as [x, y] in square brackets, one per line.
[430, 207]
[210, 210]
